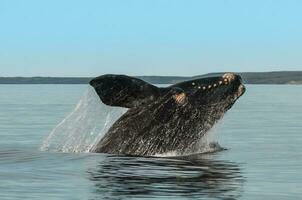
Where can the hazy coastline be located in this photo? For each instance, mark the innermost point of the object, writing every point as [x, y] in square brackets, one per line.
[276, 77]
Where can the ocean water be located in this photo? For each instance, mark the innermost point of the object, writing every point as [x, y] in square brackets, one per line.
[262, 134]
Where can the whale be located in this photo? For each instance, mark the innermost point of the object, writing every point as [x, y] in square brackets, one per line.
[161, 120]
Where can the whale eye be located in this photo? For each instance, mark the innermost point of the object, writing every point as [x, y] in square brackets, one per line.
[220, 82]
[180, 98]
[209, 86]
[215, 85]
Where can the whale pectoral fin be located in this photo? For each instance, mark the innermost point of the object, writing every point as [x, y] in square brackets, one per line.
[123, 91]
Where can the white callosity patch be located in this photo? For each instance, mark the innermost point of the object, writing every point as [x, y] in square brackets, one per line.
[229, 76]
[84, 126]
[226, 79]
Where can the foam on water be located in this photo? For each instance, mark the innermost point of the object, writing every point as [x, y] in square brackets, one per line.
[207, 144]
[84, 126]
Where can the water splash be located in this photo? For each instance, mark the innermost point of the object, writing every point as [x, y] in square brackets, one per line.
[207, 144]
[84, 126]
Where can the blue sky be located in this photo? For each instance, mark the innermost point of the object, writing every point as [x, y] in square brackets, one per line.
[148, 37]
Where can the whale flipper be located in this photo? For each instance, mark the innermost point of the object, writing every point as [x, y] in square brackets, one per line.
[123, 91]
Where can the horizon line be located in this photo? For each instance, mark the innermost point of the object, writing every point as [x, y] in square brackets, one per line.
[41, 76]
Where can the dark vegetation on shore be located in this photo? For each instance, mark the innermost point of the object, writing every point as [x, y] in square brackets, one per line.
[280, 77]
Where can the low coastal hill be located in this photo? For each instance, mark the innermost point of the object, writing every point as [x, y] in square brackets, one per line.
[278, 77]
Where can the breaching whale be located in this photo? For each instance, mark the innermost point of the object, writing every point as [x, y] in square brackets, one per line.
[163, 120]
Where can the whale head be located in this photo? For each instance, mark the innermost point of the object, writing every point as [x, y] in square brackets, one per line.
[216, 91]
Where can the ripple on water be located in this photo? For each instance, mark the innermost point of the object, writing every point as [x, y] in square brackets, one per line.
[137, 177]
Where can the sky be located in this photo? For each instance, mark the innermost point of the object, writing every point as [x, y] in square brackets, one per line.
[148, 37]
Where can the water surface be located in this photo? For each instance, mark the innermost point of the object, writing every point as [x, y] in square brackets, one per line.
[262, 133]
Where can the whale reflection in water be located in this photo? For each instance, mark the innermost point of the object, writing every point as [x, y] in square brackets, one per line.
[194, 177]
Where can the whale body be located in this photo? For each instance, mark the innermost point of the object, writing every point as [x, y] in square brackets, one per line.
[163, 120]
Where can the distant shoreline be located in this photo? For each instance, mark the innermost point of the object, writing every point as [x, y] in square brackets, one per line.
[277, 77]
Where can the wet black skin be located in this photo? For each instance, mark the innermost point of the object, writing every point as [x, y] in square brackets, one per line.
[164, 120]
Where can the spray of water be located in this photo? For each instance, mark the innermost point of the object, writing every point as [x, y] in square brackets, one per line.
[206, 144]
[84, 126]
